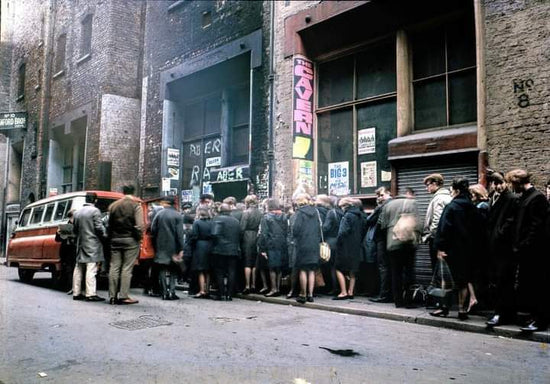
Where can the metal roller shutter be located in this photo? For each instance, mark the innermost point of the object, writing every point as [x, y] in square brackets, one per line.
[412, 176]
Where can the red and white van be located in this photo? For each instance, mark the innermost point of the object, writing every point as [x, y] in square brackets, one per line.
[32, 246]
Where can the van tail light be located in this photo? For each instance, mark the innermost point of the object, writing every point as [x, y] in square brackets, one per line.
[12, 235]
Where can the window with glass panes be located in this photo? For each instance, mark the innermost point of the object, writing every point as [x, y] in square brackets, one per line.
[356, 94]
[444, 75]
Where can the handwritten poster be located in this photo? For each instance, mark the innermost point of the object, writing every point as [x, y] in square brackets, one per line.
[366, 141]
[338, 178]
[368, 174]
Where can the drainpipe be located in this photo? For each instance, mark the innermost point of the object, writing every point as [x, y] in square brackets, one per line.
[271, 77]
[44, 121]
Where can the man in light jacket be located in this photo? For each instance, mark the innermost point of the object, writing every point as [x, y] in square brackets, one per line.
[441, 197]
[90, 232]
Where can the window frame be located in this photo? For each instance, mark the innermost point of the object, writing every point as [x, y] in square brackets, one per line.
[354, 104]
[446, 75]
[85, 43]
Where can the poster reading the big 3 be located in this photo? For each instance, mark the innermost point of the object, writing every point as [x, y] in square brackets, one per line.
[338, 178]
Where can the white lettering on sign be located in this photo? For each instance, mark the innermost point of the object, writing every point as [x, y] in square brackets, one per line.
[214, 161]
[195, 173]
[230, 174]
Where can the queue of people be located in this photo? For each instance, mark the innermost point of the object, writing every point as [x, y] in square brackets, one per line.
[489, 239]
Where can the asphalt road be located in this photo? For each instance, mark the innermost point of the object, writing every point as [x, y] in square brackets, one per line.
[44, 332]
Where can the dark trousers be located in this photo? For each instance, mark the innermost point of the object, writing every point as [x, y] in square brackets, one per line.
[225, 266]
[505, 276]
[433, 254]
[384, 269]
[402, 265]
[168, 274]
[533, 277]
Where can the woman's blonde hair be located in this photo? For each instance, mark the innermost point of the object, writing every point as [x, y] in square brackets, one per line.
[323, 201]
[302, 199]
[251, 200]
[479, 192]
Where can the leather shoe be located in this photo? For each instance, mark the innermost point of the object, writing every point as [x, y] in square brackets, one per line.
[340, 297]
[494, 321]
[127, 301]
[380, 300]
[309, 299]
[534, 327]
[95, 298]
[79, 297]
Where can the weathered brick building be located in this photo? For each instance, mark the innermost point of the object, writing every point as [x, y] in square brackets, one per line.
[204, 113]
[336, 97]
[75, 69]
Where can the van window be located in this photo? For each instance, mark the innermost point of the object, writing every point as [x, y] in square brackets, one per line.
[49, 211]
[60, 211]
[25, 218]
[103, 203]
[37, 214]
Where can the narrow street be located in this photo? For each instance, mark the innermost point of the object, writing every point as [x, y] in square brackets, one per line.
[48, 338]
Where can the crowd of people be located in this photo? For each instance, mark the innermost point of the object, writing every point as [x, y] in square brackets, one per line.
[491, 239]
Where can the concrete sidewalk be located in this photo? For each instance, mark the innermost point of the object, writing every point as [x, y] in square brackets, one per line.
[361, 306]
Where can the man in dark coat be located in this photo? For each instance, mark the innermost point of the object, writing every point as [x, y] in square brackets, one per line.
[503, 265]
[530, 248]
[226, 232]
[167, 232]
[125, 228]
[90, 233]
[400, 251]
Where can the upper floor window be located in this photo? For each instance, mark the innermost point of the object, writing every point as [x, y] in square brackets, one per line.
[444, 75]
[21, 81]
[60, 53]
[86, 36]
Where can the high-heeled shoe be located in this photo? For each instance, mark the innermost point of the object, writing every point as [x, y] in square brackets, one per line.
[443, 312]
[471, 305]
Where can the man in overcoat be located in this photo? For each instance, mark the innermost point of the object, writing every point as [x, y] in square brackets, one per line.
[530, 248]
[503, 264]
[226, 232]
[167, 232]
[90, 232]
[125, 228]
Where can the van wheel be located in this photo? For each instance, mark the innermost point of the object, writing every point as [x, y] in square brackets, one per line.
[25, 275]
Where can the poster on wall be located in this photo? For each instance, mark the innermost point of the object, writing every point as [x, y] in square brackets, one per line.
[366, 141]
[302, 108]
[385, 175]
[173, 157]
[174, 172]
[187, 196]
[368, 174]
[165, 184]
[338, 178]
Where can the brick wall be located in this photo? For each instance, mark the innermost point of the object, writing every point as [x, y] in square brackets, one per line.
[283, 178]
[518, 86]
[176, 34]
[119, 138]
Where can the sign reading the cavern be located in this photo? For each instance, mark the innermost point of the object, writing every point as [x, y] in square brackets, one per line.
[302, 111]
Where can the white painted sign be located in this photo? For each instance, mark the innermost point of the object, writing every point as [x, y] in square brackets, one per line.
[165, 184]
[173, 157]
[366, 141]
[338, 178]
[214, 161]
[368, 174]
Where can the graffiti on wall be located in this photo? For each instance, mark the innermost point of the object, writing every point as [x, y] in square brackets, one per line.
[302, 111]
[521, 91]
